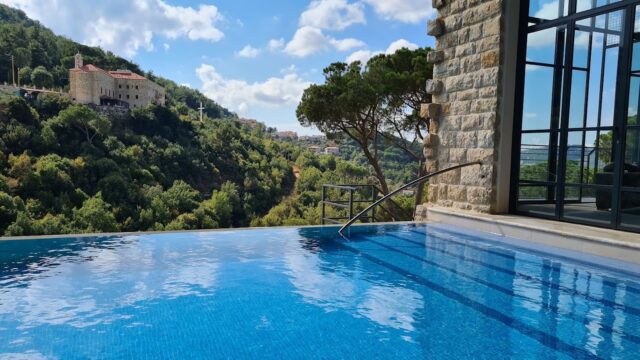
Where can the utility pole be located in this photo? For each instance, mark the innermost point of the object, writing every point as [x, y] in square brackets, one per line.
[13, 70]
[201, 108]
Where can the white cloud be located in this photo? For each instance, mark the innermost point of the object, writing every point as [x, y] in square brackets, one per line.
[332, 14]
[166, 46]
[248, 52]
[310, 40]
[275, 44]
[124, 26]
[346, 44]
[399, 44]
[408, 11]
[241, 96]
[364, 55]
[291, 69]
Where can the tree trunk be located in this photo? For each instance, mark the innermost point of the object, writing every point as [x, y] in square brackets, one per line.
[422, 171]
[384, 187]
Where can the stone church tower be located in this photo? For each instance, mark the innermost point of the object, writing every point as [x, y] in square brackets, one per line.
[79, 62]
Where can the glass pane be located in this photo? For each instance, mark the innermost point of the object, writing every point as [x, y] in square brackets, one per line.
[588, 205]
[583, 5]
[578, 101]
[538, 158]
[582, 40]
[538, 91]
[630, 210]
[542, 208]
[589, 157]
[541, 45]
[632, 152]
[595, 79]
[536, 192]
[548, 9]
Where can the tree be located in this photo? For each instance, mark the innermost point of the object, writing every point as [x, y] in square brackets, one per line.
[24, 75]
[22, 57]
[180, 198]
[95, 216]
[348, 102]
[404, 74]
[41, 78]
[81, 119]
[8, 210]
[380, 101]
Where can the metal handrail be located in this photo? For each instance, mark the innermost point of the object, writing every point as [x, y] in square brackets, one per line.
[416, 181]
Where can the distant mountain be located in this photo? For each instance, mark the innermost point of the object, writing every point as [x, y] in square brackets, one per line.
[34, 45]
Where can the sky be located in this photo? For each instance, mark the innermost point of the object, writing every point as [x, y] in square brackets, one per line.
[254, 57]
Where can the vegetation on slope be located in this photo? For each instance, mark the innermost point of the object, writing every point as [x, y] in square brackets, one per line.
[64, 168]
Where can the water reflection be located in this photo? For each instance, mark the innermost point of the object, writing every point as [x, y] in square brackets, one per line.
[402, 290]
[83, 282]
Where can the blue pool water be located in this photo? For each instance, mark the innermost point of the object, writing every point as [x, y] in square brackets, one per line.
[386, 292]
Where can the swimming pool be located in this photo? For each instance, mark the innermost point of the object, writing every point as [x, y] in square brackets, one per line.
[386, 292]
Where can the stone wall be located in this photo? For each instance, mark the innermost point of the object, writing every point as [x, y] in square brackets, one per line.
[87, 87]
[139, 93]
[466, 92]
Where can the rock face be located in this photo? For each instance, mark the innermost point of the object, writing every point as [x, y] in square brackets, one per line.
[466, 86]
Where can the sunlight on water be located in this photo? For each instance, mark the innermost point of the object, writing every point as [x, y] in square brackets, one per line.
[386, 292]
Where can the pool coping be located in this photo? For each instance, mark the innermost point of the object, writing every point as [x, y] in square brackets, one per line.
[141, 233]
[607, 243]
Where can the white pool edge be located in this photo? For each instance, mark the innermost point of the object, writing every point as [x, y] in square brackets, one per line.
[594, 244]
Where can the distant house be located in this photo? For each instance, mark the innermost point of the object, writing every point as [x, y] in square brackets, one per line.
[315, 149]
[332, 150]
[313, 138]
[89, 84]
[289, 135]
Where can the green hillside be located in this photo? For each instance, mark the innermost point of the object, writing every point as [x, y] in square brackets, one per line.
[65, 168]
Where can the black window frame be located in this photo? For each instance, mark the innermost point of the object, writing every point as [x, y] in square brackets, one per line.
[619, 127]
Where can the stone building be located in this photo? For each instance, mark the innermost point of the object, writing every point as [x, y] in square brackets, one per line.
[546, 94]
[89, 84]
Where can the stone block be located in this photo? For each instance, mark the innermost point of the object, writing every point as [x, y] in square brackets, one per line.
[434, 126]
[431, 141]
[479, 176]
[479, 196]
[491, 27]
[457, 155]
[430, 110]
[484, 155]
[434, 87]
[457, 193]
[430, 153]
[437, 4]
[432, 166]
[490, 59]
[435, 27]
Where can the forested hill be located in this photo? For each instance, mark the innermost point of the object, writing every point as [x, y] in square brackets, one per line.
[64, 168]
[36, 47]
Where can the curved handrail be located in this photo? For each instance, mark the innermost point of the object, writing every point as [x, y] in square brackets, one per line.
[416, 181]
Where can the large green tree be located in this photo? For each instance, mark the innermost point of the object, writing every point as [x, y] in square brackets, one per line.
[379, 101]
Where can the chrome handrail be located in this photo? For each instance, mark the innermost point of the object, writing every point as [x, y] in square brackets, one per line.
[416, 181]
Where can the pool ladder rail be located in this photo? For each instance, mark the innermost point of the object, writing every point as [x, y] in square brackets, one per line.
[419, 180]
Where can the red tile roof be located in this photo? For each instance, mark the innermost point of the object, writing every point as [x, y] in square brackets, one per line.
[119, 74]
[126, 75]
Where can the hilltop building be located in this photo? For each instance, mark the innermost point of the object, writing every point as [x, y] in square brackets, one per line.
[89, 84]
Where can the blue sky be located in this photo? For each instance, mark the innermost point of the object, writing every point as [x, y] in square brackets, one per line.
[254, 57]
